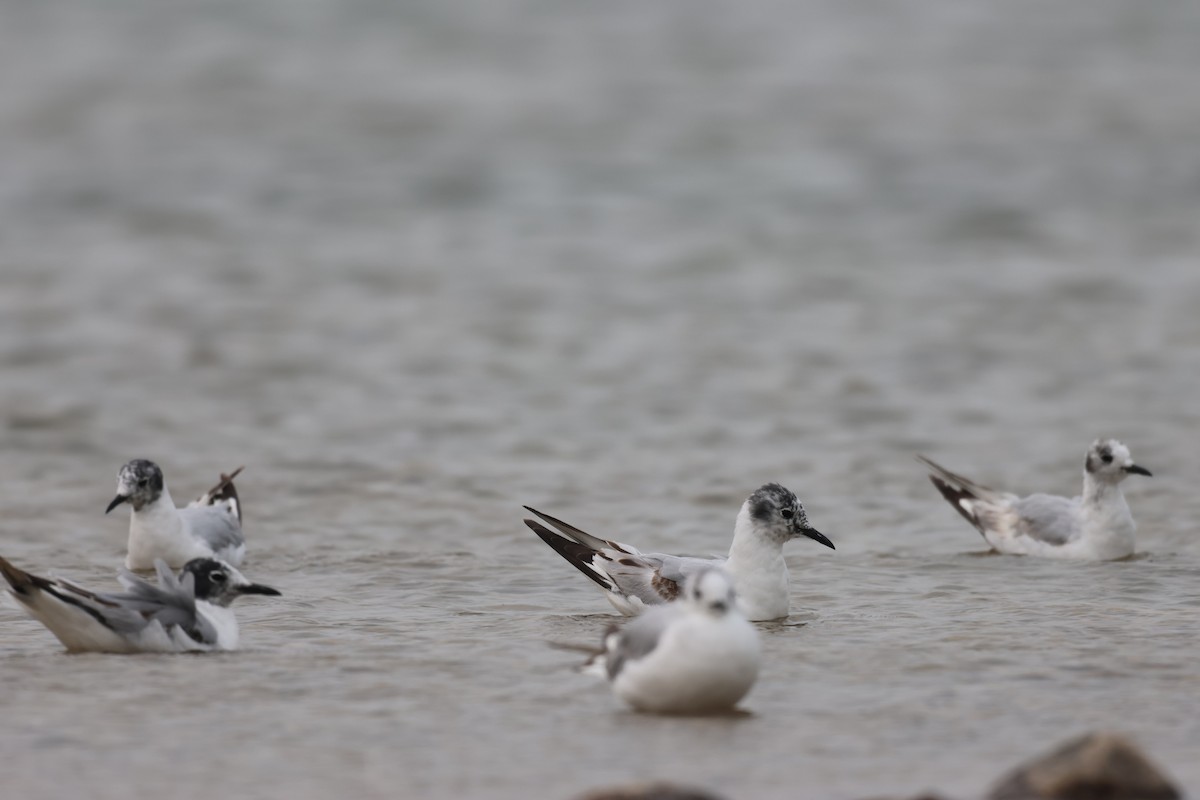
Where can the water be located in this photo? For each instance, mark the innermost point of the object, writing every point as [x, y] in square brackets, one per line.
[416, 267]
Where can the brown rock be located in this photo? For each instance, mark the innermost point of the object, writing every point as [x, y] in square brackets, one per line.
[650, 791]
[1099, 766]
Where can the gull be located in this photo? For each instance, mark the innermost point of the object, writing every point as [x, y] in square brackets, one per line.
[1095, 526]
[632, 580]
[185, 613]
[695, 655]
[209, 526]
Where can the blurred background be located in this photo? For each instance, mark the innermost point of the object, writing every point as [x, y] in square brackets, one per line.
[417, 264]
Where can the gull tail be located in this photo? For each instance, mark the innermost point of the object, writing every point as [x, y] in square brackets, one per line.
[595, 664]
[962, 493]
[224, 491]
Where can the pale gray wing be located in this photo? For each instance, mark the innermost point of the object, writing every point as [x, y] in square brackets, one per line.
[638, 638]
[1048, 518]
[655, 577]
[172, 603]
[679, 568]
[215, 525]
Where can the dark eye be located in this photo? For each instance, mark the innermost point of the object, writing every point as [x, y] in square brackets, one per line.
[787, 513]
[216, 576]
[1106, 458]
[143, 483]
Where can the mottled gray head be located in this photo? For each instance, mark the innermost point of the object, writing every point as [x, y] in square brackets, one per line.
[219, 583]
[711, 591]
[139, 482]
[1109, 460]
[777, 513]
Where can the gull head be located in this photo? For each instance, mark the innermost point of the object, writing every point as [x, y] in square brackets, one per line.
[139, 482]
[710, 591]
[777, 514]
[1108, 460]
[219, 583]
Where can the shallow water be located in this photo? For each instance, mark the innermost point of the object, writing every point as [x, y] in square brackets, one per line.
[418, 267]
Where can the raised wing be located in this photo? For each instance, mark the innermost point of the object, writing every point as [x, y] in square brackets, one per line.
[172, 603]
[223, 494]
[618, 568]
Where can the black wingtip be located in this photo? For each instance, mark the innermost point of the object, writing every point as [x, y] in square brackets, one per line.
[578, 555]
[558, 523]
[18, 579]
[954, 496]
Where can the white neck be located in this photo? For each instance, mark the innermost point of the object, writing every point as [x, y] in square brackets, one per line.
[1097, 493]
[1108, 524]
[159, 514]
[157, 531]
[224, 621]
[750, 545]
[759, 572]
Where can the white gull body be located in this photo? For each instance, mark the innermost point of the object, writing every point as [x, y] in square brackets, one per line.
[188, 613]
[696, 655]
[633, 580]
[208, 527]
[1095, 526]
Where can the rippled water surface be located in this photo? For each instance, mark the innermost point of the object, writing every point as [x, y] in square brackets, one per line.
[416, 265]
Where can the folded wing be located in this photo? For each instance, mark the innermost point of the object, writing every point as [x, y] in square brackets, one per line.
[172, 603]
[620, 569]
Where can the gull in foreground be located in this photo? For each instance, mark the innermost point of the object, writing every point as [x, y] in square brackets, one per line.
[208, 527]
[695, 655]
[1096, 526]
[186, 613]
[632, 580]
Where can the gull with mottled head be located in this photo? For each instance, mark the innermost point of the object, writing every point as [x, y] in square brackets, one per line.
[1096, 526]
[633, 580]
[208, 527]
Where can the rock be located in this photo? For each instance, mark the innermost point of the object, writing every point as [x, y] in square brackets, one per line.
[1098, 766]
[650, 791]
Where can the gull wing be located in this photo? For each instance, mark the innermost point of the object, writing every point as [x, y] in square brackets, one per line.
[216, 526]
[1048, 518]
[172, 603]
[223, 494]
[619, 569]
